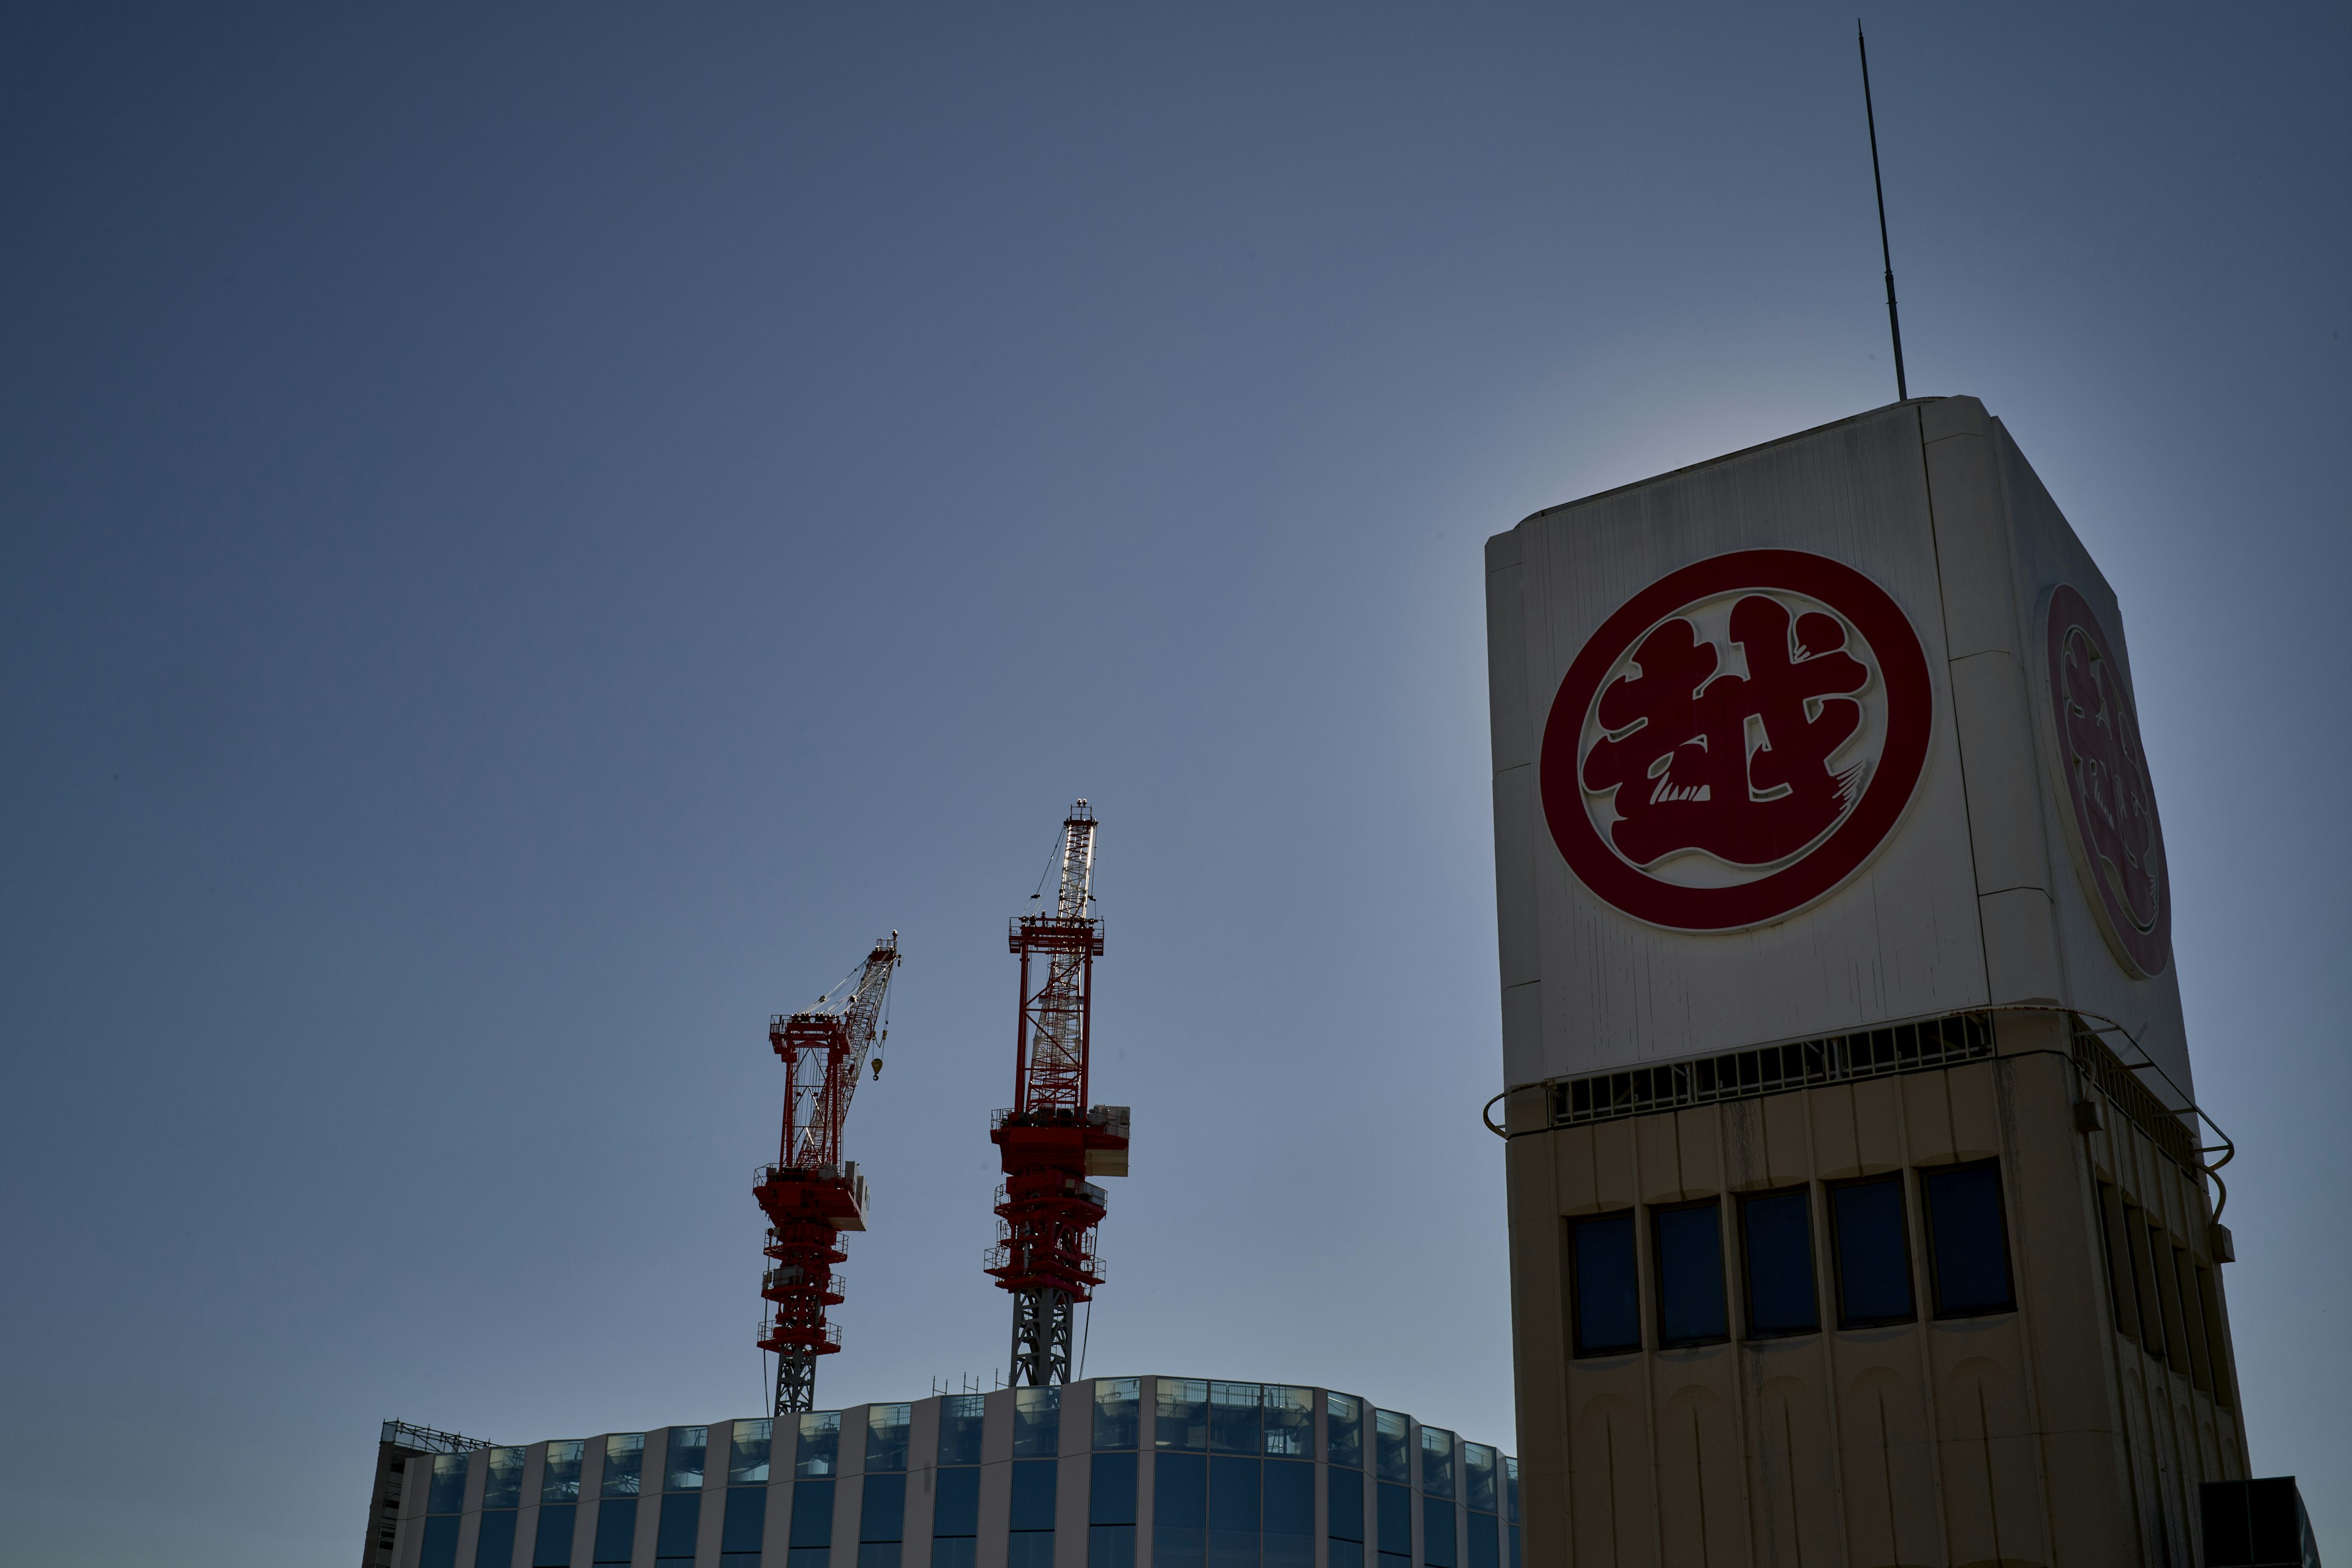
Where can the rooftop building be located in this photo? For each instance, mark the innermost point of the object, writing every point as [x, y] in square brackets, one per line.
[1115, 1472]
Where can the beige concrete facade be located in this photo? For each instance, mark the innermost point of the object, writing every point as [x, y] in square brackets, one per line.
[2068, 1431]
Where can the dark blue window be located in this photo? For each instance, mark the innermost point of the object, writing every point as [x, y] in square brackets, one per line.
[616, 1528]
[1437, 1533]
[1437, 1461]
[1779, 1250]
[887, 1426]
[687, 1451]
[1111, 1546]
[1874, 1262]
[882, 1512]
[1033, 1494]
[1037, 1422]
[955, 1510]
[1029, 1549]
[878, 1554]
[1184, 1418]
[817, 1455]
[1483, 1553]
[741, 1528]
[494, 1548]
[1343, 1430]
[1179, 1509]
[681, 1520]
[1514, 1547]
[811, 1515]
[446, 1494]
[1345, 1553]
[954, 1551]
[1233, 1509]
[1345, 1497]
[1967, 1245]
[552, 1547]
[1392, 1447]
[1234, 1419]
[748, 1445]
[1601, 1262]
[440, 1549]
[1290, 1498]
[1478, 1480]
[1690, 1274]
[961, 1418]
[811, 1528]
[502, 1479]
[624, 1465]
[1119, 1412]
[1396, 1520]
[1112, 1498]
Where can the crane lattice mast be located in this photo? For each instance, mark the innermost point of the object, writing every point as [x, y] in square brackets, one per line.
[1051, 1140]
[811, 1194]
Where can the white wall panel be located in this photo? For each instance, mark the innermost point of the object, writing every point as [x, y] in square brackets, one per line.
[1900, 938]
[1973, 899]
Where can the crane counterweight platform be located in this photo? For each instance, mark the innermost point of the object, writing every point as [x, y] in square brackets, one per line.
[1051, 1140]
[811, 1194]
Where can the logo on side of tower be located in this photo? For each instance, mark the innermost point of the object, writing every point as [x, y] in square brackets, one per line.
[1736, 740]
[2110, 815]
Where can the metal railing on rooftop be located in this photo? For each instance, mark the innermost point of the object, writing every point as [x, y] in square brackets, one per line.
[426, 1439]
[1932, 1044]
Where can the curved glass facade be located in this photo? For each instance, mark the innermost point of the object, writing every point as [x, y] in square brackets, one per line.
[1132, 1472]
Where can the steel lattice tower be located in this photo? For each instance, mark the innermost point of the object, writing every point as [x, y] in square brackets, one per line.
[1051, 1140]
[810, 1194]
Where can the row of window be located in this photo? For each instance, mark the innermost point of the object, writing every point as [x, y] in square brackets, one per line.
[1869, 1255]
[2163, 1297]
[1208, 1512]
[1271, 1420]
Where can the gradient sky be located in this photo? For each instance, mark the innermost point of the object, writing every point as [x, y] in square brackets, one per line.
[534, 535]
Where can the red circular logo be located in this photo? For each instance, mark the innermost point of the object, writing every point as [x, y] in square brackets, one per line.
[2111, 806]
[1735, 740]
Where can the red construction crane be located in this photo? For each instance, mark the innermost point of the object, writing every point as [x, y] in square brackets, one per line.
[1051, 1139]
[811, 1194]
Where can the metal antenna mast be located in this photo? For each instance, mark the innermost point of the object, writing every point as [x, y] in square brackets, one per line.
[1051, 1140]
[810, 1194]
[1894, 322]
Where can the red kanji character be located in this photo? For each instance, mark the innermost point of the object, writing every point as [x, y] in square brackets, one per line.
[2111, 778]
[1734, 766]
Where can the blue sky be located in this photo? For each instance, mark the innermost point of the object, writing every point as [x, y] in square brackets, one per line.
[534, 535]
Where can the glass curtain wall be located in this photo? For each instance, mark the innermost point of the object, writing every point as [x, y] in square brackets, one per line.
[1036, 1441]
[882, 1505]
[686, 1454]
[1343, 1451]
[1180, 1474]
[445, 1500]
[1482, 1495]
[816, 1466]
[559, 1504]
[1111, 1490]
[955, 1502]
[744, 1519]
[616, 1512]
[494, 1547]
[1437, 1533]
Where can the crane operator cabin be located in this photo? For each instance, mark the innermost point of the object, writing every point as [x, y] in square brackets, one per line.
[1859, 1202]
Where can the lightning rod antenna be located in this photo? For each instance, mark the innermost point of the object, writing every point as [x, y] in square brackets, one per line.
[1894, 322]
